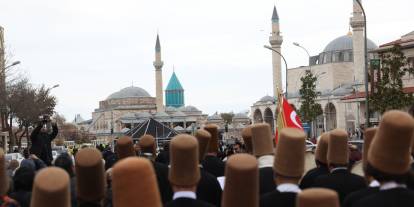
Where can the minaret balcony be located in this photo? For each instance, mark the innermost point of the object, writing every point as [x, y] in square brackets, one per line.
[275, 40]
[357, 22]
[158, 64]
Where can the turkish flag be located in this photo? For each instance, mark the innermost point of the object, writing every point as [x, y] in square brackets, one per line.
[287, 117]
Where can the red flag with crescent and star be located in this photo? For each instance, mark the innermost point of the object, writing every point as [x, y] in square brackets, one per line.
[287, 116]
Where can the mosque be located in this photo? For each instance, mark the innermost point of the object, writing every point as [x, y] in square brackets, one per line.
[130, 106]
[339, 69]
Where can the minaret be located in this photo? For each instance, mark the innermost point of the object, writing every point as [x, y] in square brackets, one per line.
[357, 24]
[276, 41]
[158, 76]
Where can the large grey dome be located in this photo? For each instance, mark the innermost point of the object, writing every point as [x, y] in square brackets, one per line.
[129, 92]
[345, 43]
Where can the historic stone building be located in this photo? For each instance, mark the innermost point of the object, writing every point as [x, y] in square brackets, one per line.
[133, 105]
[340, 72]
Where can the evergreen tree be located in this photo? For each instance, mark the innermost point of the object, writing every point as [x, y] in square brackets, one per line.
[388, 93]
[309, 109]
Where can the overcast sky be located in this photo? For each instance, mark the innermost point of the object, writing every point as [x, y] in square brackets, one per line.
[93, 48]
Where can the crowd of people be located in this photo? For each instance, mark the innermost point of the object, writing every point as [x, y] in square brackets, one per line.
[191, 171]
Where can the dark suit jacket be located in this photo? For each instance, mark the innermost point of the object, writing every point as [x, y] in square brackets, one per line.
[356, 196]
[341, 181]
[266, 180]
[41, 143]
[276, 198]
[187, 202]
[397, 197]
[213, 165]
[309, 178]
[208, 188]
[164, 187]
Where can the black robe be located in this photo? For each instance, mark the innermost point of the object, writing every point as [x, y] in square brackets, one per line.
[266, 180]
[397, 197]
[277, 198]
[213, 165]
[164, 186]
[356, 196]
[309, 178]
[187, 202]
[341, 181]
[208, 188]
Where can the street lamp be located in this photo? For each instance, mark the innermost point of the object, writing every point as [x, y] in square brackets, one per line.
[284, 60]
[366, 66]
[13, 64]
[307, 52]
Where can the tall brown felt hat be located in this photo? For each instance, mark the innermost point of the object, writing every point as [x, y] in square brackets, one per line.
[290, 153]
[317, 197]
[262, 140]
[90, 175]
[369, 136]
[184, 170]
[4, 181]
[247, 138]
[134, 183]
[213, 145]
[147, 144]
[125, 147]
[338, 152]
[203, 138]
[390, 150]
[321, 153]
[242, 182]
[51, 188]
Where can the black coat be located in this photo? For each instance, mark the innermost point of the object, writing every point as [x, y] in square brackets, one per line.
[213, 165]
[341, 181]
[41, 143]
[163, 157]
[164, 187]
[309, 178]
[397, 197]
[187, 202]
[276, 198]
[208, 188]
[266, 180]
[356, 196]
[22, 197]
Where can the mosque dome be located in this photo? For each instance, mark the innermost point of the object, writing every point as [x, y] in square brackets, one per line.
[343, 43]
[129, 92]
[189, 109]
[267, 99]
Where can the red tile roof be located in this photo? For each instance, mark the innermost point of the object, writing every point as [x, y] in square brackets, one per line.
[362, 94]
[399, 41]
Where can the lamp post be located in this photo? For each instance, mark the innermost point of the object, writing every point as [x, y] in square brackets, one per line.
[284, 60]
[366, 66]
[3, 107]
[307, 52]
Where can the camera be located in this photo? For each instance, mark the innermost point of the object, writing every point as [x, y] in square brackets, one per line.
[44, 118]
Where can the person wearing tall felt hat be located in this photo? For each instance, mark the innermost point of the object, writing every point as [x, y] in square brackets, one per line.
[321, 161]
[208, 188]
[211, 162]
[125, 147]
[340, 178]
[241, 188]
[317, 197]
[373, 184]
[51, 188]
[134, 183]
[410, 182]
[4, 183]
[263, 151]
[389, 159]
[288, 167]
[247, 138]
[184, 173]
[147, 145]
[90, 178]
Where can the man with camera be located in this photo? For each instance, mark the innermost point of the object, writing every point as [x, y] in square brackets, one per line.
[42, 137]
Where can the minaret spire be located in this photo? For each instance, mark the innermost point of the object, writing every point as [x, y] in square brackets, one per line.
[276, 42]
[158, 63]
[357, 23]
